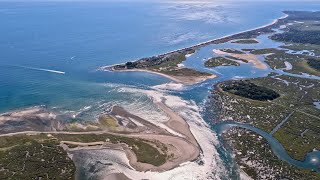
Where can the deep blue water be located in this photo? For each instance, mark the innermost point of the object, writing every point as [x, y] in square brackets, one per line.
[78, 37]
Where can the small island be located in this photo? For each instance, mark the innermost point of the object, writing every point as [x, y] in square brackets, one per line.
[245, 41]
[220, 61]
[167, 65]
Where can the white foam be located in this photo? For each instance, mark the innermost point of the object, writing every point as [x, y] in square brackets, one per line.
[180, 65]
[213, 167]
[189, 55]
[169, 86]
[237, 77]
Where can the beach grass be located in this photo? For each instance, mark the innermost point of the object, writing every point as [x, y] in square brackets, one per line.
[297, 96]
[108, 121]
[245, 41]
[35, 156]
[220, 61]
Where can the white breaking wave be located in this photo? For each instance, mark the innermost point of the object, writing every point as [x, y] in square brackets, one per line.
[212, 168]
[238, 77]
[169, 86]
[141, 102]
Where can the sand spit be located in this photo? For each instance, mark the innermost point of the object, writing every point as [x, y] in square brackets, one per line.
[183, 149]
[33, 119]
[190, 141]
[206, 166]
[185, 80]
[34, 112]
[169, 86]
[251, 58]
[224, 38]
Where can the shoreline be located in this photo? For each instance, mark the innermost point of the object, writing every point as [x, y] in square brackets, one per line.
[176, 144]
[224, 37]
[191, 80]
[251, 58]
[211, 41]
[185, 80]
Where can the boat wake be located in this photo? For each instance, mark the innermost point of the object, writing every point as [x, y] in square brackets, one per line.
[42, 69]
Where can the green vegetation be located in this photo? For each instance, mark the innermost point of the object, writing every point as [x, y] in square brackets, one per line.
[246, 41]
[264, 51]
[254, 155]
[249, 90]
[166, 64]
[29, 158]
[220, 61]
[143, 149]
[184, 72]
[108, 121]
[74, 127]
[298, 47]
[169, 62]
[296, 93]
[307, 32]
[237, 59]
[303, 33]
[314, 63]
[170, 66]
[232, 51]
[40, 156]
[261, 114]
[296, 36]
[300, 63]
[300, 134]
[77, 127]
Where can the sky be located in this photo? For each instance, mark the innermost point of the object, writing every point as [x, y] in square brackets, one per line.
[166, 1]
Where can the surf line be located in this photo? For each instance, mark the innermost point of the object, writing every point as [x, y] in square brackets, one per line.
[41, 69]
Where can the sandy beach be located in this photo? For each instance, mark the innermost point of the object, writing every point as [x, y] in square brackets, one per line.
[193, 79]
[184, 148]
[251, 58]
[224, 37]
[186, 80]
